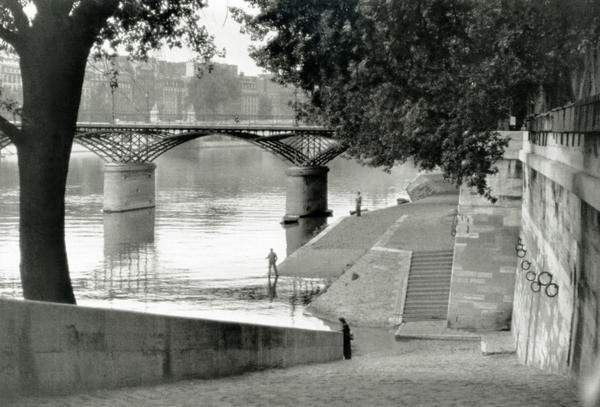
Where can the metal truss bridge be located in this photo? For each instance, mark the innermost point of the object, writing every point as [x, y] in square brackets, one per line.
[304, 146]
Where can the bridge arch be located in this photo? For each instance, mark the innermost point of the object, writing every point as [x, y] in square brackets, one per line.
[298, 146]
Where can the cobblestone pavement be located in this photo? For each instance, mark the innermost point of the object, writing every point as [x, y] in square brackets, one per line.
[384, 373]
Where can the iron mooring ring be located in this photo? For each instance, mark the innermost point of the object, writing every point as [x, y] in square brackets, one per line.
[521, 253]
[547, 277]
[525, 265]
[551, 292]
[536, 286]
[531, 276]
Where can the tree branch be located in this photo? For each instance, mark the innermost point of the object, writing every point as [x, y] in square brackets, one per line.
[16, 9]
[91, 15]
[60, 7]
[9, 36]
[9, 129]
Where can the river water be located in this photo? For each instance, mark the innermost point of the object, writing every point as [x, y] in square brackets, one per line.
[201, 252]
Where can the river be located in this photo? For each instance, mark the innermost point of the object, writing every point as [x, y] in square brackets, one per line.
[201, 252]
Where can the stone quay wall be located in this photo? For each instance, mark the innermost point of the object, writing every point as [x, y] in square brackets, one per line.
[561, 236]
[57, 349]
[483, 270]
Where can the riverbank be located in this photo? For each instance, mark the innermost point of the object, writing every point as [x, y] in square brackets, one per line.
[382, 372]
[368, 258]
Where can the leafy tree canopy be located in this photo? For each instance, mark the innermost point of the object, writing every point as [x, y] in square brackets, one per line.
[425, 80]
[215, 88]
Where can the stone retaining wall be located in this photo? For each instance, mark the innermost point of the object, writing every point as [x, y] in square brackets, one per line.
[55, 348]
[561, 233]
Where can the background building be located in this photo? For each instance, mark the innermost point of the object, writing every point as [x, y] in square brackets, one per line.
[128, 91]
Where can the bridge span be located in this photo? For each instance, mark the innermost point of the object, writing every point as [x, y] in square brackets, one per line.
[128, 151]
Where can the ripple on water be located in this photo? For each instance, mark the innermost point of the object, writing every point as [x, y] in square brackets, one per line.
[201, 252]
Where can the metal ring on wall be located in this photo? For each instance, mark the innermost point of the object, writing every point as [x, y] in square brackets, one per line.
[525, 265]
[535, 286]
[551, 290]
[531, 276]
[544, 278]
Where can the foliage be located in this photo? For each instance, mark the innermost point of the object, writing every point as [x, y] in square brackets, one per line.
[265, 106]
[215, 90]
[427, 80]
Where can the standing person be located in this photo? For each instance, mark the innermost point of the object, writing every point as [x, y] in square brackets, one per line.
[358, 203]
[272, 257]
[347, 338]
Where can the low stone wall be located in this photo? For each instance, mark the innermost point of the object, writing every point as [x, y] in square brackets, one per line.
[54, 348]
[429, 183]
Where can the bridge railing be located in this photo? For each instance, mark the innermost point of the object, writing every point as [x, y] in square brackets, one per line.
[86, 116]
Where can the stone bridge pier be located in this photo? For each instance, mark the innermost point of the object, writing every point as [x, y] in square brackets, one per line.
[306, 193]
[129, 150]
[129, 186]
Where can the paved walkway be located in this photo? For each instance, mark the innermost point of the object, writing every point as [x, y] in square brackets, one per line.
[371, 290]
[427, 225]
[384, 373]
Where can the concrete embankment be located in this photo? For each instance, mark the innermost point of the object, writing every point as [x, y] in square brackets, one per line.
[55, 348]
[369, 258]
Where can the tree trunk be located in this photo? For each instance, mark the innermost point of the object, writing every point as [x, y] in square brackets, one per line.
[52, 69]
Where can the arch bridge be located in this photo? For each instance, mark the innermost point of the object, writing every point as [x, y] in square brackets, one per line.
[130, 149]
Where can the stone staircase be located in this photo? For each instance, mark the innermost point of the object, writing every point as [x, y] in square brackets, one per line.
[428, 286]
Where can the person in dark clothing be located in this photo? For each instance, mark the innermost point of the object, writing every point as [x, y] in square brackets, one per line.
[347, 338]
[358, 202]
[272, 257]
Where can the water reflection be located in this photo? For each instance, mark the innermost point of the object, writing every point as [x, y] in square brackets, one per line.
[129, 255]
[201, 253]
[128, 229]
[297, 234]
[272, 286]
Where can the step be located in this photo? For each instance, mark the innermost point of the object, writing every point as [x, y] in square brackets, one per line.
[428, 293]
[427, 273]
[441, 312]
[431, 277]
[431, 266]
[425, 317]
[416, 308]
[410, 318]
[431, 252]
[419, 288]
[417, 262]
[426, 304]
[432, 258]
[427, 297]
[425, 307]
[420, 269]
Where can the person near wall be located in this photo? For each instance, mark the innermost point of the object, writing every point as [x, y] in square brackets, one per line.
[358, 203]
[347, 338]
[272, 257]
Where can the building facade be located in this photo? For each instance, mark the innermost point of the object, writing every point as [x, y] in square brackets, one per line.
[127, 91]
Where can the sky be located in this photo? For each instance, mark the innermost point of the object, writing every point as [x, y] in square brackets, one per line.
[226, 31]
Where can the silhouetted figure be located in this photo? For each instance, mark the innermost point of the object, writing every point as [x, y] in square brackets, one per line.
[347, 338]
[272, 257]
[358, 203]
